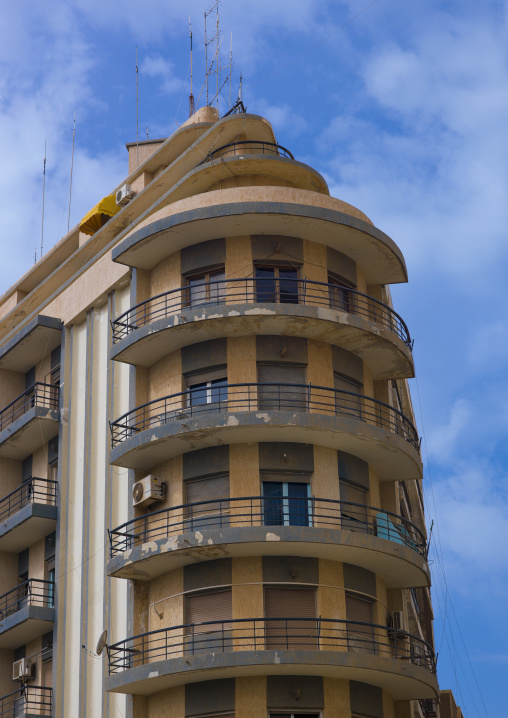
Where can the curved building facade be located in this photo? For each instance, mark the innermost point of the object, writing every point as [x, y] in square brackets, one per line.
[237, 484]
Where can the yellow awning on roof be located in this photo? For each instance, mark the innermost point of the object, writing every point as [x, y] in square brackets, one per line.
[94, 220]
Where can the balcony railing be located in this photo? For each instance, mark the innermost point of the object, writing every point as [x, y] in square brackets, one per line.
[34, 592]
[27, 700]
[42, 395]
[33, 491]
[258, 634]
[267, 511]
[262, 291]
[248, 147]
[235, 398]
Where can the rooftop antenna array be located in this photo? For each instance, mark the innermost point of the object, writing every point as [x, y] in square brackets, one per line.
[72, 167]
[191, 96]
[214, 67]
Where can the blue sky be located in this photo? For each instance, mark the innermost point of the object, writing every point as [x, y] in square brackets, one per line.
[403, 107]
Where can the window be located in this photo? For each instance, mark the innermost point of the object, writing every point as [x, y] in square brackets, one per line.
[50, 586]
[294, 715]
[205, 288]
[207, 502]
[209, 617]
[277, 388]
[360, 633]
[339, 293]
[207, 390]
[286, 610]
[286, 503]
[353, 507]
[347, 397]
[276, 285]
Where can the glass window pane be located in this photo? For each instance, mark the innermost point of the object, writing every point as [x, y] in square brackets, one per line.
[288, 286]
[273, 506]
[198, 394]
[298, 504]
[197, 290]
[265, 285]
[218, 390]
[217, 287]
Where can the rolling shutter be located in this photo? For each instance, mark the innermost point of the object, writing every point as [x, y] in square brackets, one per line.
[354, 518]
[206, 515]
[282, 397]
[203, 607]
[360, 637]
[48, 674]
[347, 403]
[290, 604]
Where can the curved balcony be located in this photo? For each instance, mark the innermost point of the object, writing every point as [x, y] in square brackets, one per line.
[394, 660]
[26, 612]
[246, 306]
[28, 701]
[248, 147]
[27, 514]
[377, 540]
[29, 421]
[242, 413]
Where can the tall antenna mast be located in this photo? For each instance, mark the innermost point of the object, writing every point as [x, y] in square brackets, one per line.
[72, 167]
[206, 62]
[240, 89]
[43, 191]
[230, 66]
[214, 67]
[191, 96]
[137, 109]
[217, 54]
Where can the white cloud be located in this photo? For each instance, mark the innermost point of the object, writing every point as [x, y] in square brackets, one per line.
[156, 66]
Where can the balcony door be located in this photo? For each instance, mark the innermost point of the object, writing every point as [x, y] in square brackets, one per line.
[286, 503]
[277, 285]
[206, 503]
[209, 616]
[273, 392]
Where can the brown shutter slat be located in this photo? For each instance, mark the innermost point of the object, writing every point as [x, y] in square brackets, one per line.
[359, 637]
[202, 376]
[292, 397]
[48, 674]
[293, 603]
[207, 489]
[354, 518]
[216, 606]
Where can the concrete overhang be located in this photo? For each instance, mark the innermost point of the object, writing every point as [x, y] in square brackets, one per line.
[391, 456]
[378, 255]
[204, 176]
[384, 352]
[31, 523]
[400, 678]
[31, 344]
[25, 625]
[31, 431]
[399, 566]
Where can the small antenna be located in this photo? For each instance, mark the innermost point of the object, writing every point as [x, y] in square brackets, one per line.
[191, 96]
[35, 256]
[147, 132]
[72, 167]
[240, 97]
[43, 192]
[137, 109]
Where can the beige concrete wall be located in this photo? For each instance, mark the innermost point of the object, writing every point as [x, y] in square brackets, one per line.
[388, 705]
[36, 564]
[170, 587]
[12, 384]
[337, 701]
[166, 276]
[241, 355]
[244, 470]
[167, 704]
[250, 181]
[165, 377]
[6, 684]
[250, 697]
[331, 598]
[314, 262]
[10, 471]
[325, 482]
[238, 257]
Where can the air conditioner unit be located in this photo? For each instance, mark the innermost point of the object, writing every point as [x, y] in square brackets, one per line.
[398, 622]
[23, 669]
[124, 195]
[147, 491]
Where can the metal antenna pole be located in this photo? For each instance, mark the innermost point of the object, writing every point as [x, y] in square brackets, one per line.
[218, 56]
[72, 167]
[206, 63]
[137, 109]
[43, 192]
[230, 67]
[191, 96]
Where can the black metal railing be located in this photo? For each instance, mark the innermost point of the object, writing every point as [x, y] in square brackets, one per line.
[248, 147]
[252, 634]
[267, 511]
[428, 707]
[27, 700]
[43, 395]
[260, 291]
[33, 592]
[235, 398]
[33, 491]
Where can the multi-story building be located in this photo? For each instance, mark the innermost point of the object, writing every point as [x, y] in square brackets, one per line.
[208, 449]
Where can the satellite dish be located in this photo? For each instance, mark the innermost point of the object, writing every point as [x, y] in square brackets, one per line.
[101, 643]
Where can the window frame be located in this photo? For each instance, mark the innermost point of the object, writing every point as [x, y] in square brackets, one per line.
[276, 279]
[206, 278]
[286, 511]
